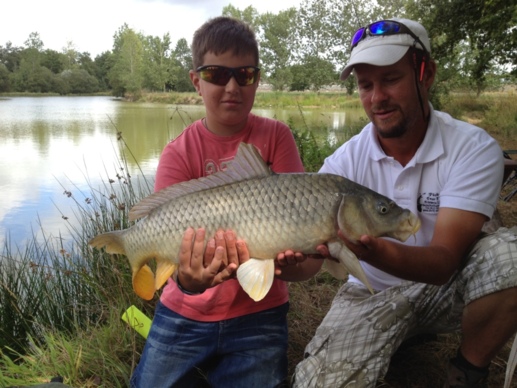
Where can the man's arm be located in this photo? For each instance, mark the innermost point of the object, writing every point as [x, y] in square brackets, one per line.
[455, 231]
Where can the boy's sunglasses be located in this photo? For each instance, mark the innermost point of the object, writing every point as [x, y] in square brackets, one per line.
[383, 28]
[221, 75]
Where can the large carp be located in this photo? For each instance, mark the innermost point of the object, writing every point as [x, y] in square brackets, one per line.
[271, 212]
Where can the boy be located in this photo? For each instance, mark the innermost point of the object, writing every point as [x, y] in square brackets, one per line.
[206, 330]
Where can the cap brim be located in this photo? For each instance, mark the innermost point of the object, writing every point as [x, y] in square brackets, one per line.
[376, 55]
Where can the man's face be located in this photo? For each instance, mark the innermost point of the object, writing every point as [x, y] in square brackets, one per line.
[389, 97]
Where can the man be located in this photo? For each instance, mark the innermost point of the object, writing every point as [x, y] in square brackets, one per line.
[451, 277]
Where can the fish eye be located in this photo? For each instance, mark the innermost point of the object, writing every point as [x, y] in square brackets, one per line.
[382, 207]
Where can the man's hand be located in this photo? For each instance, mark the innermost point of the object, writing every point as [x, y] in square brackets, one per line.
[366, 248]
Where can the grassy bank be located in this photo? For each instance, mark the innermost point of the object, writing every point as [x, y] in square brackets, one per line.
[60, 303]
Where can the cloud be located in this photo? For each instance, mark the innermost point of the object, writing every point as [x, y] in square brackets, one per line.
[91, 25]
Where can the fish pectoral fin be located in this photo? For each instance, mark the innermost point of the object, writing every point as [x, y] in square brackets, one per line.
[256, 277]
[339, 250]
[164, 270]
[336, 269]
[143, 283]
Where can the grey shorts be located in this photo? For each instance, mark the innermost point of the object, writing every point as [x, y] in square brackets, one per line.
[355, 341]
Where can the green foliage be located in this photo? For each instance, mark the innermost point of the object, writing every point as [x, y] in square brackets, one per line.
[312, 151]
[501, 116]
[277, 47]
[78, 81]
[319, 72]
[126, 73]
[484, 30]
[4, 78]
[299, 81]
[65, 284]
[476, 51]
[100, 354]
[179, 78]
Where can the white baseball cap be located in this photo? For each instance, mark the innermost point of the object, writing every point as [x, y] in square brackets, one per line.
[384, 50]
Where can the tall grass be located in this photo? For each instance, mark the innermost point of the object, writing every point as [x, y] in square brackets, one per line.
[53, 293]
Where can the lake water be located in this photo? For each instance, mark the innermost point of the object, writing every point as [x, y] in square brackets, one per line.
[53, 145]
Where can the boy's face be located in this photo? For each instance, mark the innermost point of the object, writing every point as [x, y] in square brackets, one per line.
[227, 107]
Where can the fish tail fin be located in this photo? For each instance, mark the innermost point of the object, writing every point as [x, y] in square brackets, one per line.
[256, 277]
[164, 270]
[143, 282]
[113, 242]
[339, 250]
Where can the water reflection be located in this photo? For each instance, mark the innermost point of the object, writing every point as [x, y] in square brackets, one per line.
[52, 144]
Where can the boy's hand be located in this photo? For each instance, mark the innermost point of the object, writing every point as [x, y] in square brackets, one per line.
[289, 257]
[196, 276]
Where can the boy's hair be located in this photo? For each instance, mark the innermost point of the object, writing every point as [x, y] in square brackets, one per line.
[222, 34]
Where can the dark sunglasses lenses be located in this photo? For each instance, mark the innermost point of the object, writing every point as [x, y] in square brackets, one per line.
[220, 75]
[357, 36]
[383, 27]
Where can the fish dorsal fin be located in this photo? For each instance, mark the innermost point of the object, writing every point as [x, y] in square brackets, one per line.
[247, 164]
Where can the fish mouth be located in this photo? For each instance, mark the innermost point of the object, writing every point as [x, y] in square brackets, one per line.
[409, 228]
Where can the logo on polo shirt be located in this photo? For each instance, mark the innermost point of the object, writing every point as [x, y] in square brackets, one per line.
[428, 203]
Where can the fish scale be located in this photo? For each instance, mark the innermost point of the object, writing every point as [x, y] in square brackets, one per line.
[271, 212]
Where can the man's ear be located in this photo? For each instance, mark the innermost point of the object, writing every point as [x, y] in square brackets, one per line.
[428, 74]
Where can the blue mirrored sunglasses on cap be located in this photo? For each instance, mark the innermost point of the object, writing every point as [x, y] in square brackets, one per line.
[383, 28]
[221, 75]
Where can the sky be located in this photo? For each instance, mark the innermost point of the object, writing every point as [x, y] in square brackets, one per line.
[90, 25]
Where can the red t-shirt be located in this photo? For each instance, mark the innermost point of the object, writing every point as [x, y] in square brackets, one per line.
[197, 152]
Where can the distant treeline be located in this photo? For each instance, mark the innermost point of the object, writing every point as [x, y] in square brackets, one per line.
[300, 49]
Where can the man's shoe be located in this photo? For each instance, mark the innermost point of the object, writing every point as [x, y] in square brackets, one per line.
[457, 377]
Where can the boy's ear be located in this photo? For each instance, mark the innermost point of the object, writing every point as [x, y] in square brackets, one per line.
[194, 78]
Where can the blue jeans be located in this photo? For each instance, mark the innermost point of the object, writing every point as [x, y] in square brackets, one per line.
[248, 351]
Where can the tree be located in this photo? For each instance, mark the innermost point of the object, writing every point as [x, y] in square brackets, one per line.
[70, 55]
[181, 63]
[85, 62]
[10, 56]
[5, 83]
[277, 47]
[79, 81]
[32, 52]
[53, 61]
[485, 28]
[315, 33]
[249, 15]
[320, 72]
[103, 64]
[157, 53]
[126, 73]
